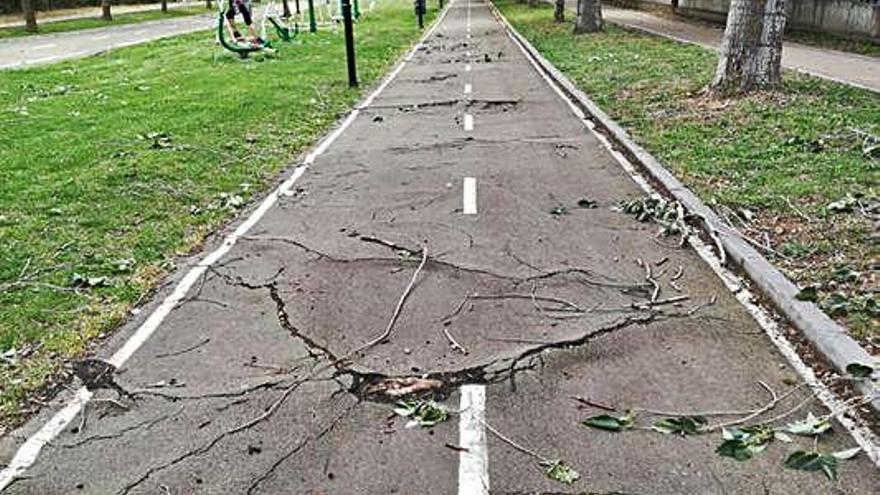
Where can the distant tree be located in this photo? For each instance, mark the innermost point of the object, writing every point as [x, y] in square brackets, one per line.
[164, 5]
[105, 10]
[559, 13]
[751, 51]
[208, 4]
[286, 6]
[30, 15]
[589, 16]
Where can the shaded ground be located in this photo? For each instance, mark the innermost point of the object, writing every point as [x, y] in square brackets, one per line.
[546, 297]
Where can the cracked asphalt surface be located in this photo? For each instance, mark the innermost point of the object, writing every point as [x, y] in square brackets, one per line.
[265, 392]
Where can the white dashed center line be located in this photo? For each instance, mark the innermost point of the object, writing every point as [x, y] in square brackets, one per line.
[467, 68]
[468, 89]
[468, 122]
[469, 196]
[473, 461]
[45, 46]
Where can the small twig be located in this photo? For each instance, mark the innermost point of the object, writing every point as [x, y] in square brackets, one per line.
[775, 400]
[592, 403]
[183, 351]
[514, 444]
[381, 338]
[455, 345]
[456, 448]
[698, 307]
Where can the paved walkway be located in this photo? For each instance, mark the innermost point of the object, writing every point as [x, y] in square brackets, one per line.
[7, 21]
[281, 362]
[50, 48]
[849, 68]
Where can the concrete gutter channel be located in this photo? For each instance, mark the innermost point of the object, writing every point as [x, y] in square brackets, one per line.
[823, 333]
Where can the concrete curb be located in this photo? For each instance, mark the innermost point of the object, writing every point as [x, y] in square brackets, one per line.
[829, 338]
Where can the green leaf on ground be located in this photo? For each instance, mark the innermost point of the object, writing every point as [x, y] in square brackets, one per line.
[561, 472]
[809, 426]
[859, 370]
[681, 425]
[610, 423]
[742, 443]
[813, 461]
[587, 203]
[423, 413]
[559, 211]
[810, 294]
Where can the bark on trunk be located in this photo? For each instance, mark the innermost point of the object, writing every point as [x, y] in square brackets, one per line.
[770, 48]
[559, 13]
[105, 10]
[589, 16]
[30, 15]
[751, 52]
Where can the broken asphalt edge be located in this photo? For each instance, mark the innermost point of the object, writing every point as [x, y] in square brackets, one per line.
[823, 333]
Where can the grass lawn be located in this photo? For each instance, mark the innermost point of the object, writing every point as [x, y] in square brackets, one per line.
[97, 22]
[772, 163]
[112, 166]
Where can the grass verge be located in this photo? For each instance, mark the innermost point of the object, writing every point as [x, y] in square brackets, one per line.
[96, 22]
[112, 166]
[795, 170]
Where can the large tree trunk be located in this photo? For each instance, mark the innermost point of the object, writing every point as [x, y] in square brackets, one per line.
[751, 52]
[770, 47]
[559, 13]
[589, 16]
[105, 10]
[30, 15]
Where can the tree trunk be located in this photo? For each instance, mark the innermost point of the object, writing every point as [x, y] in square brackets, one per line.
[208, 4]
[105, 10]
[533, 3]
[30, 15]
[589, 17]
[286, 6]
[751, 51]
[559, 13]
[164, 5]
[770, 47]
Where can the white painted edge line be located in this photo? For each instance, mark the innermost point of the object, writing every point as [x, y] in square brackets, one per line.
[468, 88]
[469, 196]
[736, 284]
[473, 462]
[468, 122]
[467, 68]
[27, 453]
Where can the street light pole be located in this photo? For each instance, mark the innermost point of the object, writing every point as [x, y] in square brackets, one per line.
[349, 43]
[313, 26]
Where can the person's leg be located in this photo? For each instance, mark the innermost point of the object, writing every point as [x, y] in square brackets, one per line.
[248, 20]
[230, 20]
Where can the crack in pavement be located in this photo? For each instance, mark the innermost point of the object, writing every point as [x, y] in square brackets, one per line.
[147, 424]
[321, 434]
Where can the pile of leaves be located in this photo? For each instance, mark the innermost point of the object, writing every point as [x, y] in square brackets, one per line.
[670, 215]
